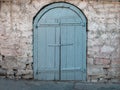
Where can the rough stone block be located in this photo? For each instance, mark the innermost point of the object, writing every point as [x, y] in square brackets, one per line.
[82, 5]
[29, 60]
[0, 58]
[90, 61]
[114, 71]
[93, 26]
[29, 76]
[115, 62]
[20, 72]
[8, 52]
[10, 76]
[29, 66]
[21, 65]
[3, 72]
[95, 70]
[24, 72]
[115, 80]
[10, 72]
[102, 61]
[9, 62]
[107, 49]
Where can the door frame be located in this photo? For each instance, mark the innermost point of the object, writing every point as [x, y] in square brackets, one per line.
[38, 16]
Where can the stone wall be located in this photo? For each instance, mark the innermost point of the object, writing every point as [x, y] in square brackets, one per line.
[103, 42]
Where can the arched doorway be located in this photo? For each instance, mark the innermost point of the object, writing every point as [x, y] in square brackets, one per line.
[60, 43]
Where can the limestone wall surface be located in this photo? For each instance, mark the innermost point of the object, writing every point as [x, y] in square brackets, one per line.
[103, 38]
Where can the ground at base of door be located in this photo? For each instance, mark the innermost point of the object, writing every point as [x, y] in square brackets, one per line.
[6, 84]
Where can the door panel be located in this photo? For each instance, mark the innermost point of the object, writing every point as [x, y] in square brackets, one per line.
[71, 53]
[48, 54]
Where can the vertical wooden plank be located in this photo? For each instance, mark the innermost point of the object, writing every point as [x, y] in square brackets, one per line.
[41, 51]
[70, 51]
[78, 55]
[68, 54]
[56, 61]
[84, 51]
[63, 53]
[50, 53]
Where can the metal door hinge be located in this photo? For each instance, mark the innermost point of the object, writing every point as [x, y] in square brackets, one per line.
[84, 70]
[37, 72]
[83, 24]
[36, 27]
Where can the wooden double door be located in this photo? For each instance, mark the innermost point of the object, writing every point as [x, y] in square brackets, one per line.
[59, 46]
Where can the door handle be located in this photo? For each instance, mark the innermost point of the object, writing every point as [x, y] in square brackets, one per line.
[54, 45]
[58, 45]
[67, 44]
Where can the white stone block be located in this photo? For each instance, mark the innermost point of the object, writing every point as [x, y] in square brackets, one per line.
[93, 26]
[0, 58]
[107, 49]
[82, 5]
[90, 61]
[104, 36]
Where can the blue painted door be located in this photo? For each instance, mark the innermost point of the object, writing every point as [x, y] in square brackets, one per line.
[60, 44]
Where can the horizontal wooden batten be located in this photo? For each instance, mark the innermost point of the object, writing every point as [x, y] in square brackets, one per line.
[62, 24]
